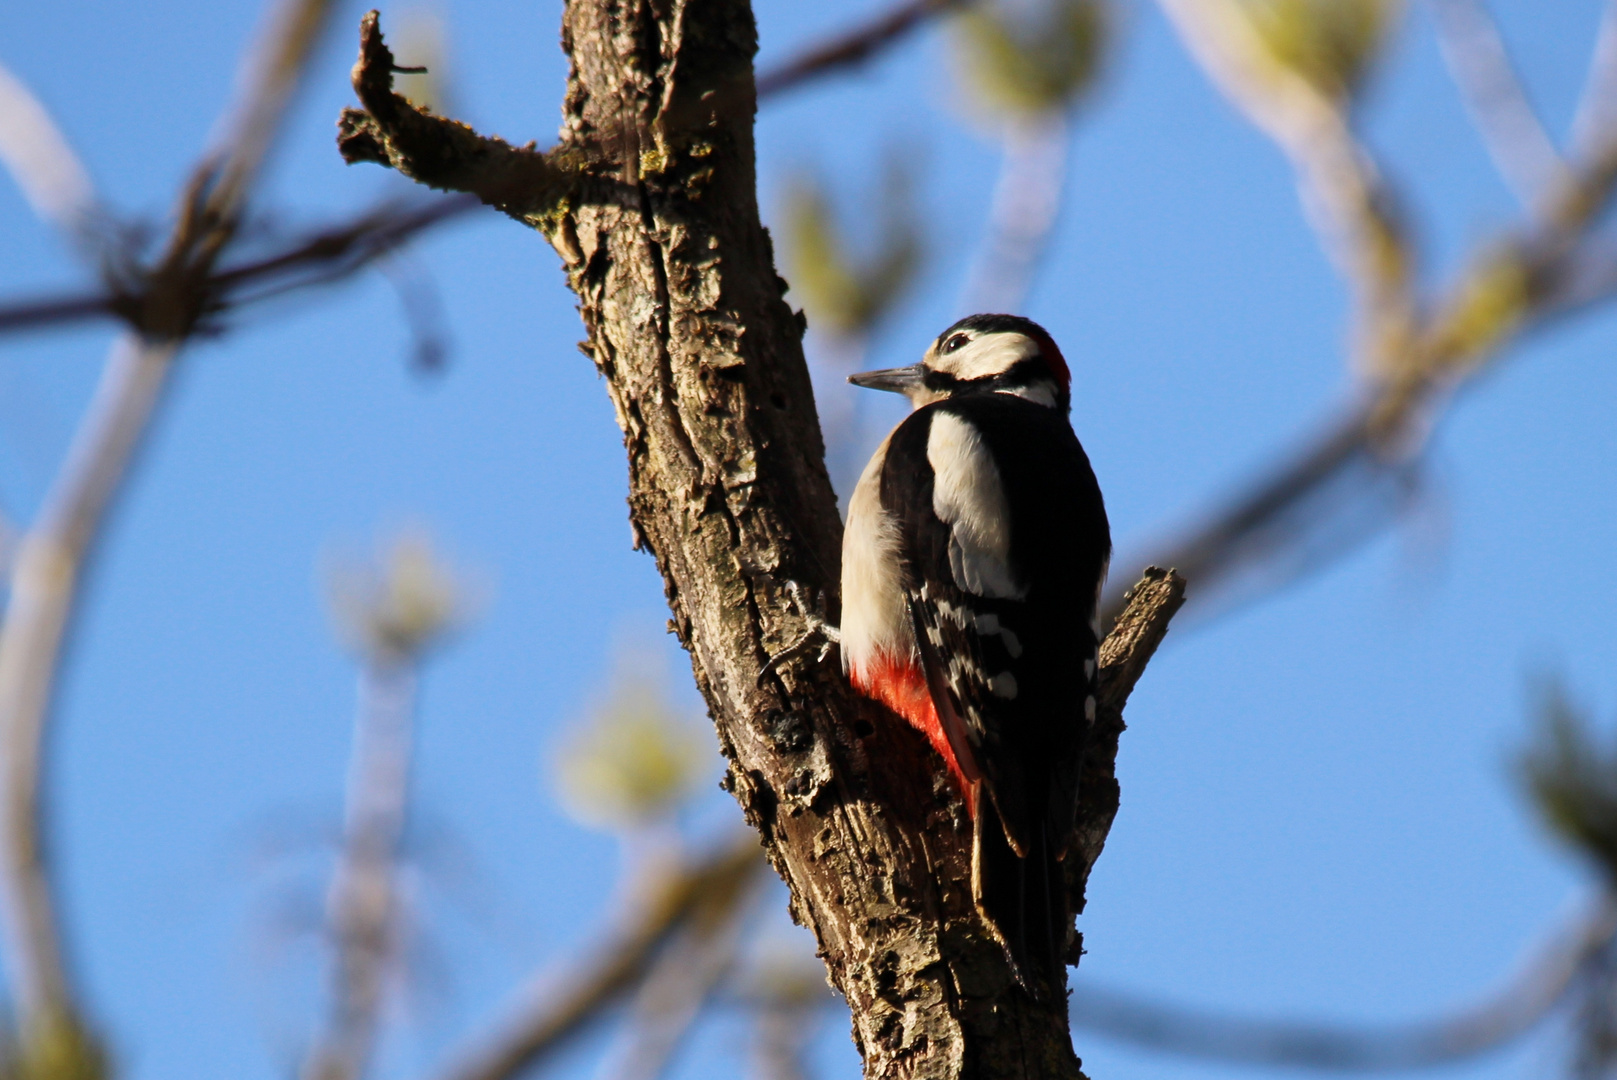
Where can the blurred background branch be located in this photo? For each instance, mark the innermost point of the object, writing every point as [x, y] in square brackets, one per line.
[317, 258]
[854, 46]
[392, 615]
[848, 290]
[1295, 68]
[42, 161]
[682, 982]
[51, 556]
[1292, 67]
[1569, 774]
[1027, 70]
[1474, 50]
[1545, 983]
[554, 1009]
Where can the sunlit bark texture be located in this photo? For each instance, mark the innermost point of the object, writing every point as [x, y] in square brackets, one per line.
[650, 200]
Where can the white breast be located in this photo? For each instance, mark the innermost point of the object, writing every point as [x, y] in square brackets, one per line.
[967, 496]
[875, 618]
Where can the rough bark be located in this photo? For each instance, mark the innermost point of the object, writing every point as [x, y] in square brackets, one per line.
[650, 199]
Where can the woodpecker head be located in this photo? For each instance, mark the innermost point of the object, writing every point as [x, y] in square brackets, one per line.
[982, 354]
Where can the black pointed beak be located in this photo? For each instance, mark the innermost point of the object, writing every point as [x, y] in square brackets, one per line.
[900, 380]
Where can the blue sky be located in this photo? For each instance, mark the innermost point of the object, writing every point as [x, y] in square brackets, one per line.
[1319, 817]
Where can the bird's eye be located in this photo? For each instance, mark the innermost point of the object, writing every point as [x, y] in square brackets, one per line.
[955, 342]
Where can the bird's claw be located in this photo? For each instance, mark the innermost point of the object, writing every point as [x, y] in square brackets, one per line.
[817, 627]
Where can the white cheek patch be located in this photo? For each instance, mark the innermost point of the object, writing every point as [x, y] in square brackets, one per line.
[875, 618]
[967, 496]
[991, 354]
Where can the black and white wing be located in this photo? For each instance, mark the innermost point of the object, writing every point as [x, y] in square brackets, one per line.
[1005, 542]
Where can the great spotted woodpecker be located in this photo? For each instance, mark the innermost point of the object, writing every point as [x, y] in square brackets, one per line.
[975, 550]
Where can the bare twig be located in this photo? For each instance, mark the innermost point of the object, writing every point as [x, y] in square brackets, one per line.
[1272, 525]
[52, 555]
[788, 998]
[1139, 628]
[442, 153]
[1521, 149]
[340, 250]
[1022, 213]
[61, 310]
[1543, 984]
[273, 73]
[43, 585]
[853, 47]
[1597, 105]
[555, 1010]
[362, 908]
[1510, 286]
[680, 984]
[319, 258]
[1134, 637]
[1344, 192]
[41, 159]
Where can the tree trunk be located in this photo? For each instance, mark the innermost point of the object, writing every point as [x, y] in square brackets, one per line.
[650, 199]
[728, 490]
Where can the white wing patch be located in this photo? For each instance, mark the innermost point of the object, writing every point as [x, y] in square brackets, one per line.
[875, 618]
[967, 496]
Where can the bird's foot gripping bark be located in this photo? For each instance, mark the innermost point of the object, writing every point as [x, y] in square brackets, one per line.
[813, 614]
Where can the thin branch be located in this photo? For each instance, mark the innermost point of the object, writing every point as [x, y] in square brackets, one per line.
[274, 71]
[1492, 91]
[1522, 1004]
[1343, 191]
[43, 586]
[557, 1009]
[855, 46]
[1022, 213]
[316, 259]
[1136, 632]
[1139, 629]
[1511, 286]
[52, 555]
[1276, 514]
[342, 249]
[60, 310]
[673, 994]
[44, 165]
[363, 905]
[1597, 105]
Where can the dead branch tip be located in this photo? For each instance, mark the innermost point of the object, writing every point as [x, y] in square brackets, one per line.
[373, 71]
[1140, 628]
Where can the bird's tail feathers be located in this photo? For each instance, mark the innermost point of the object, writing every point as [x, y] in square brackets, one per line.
[1023, 900]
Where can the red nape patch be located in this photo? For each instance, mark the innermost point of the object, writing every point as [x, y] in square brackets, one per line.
[1052, 356]
[901, 686]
